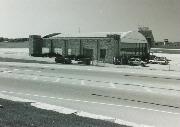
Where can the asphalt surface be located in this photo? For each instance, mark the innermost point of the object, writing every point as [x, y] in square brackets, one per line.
[145, 99]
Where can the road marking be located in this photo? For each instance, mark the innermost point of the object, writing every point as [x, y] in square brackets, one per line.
[15, 69]
[148, 90]
[75, 68]
[4, 91]
[3, 68]
[112, 85]
[161, 74]
[104, 70]
[11, 92]
[7, 71]
[93, 102]
[57, 80]
[44, 96]
[82, 82]
[28, 70]
[52, 97]
[35, 78]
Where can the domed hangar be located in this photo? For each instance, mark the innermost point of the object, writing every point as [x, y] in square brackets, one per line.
[102, 46]
[134, 43]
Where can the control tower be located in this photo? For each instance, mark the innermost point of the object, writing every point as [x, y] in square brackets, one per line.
[148, 35]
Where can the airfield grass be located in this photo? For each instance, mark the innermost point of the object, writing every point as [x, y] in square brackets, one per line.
[20, 114]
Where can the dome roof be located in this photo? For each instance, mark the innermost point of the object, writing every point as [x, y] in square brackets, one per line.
[133, 37]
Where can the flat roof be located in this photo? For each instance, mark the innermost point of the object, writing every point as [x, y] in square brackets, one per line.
[126, 37]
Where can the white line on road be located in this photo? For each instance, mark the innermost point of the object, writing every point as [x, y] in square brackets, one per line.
[35, 78]
[7, 72]
[92, 102]
[161, 74]
[112, 85]
[3, 68]
[52, 97]
[57, 80]
[46, 66]
[75, 68]
[82, 82]
[11, 92]
[104, 70]
[28, 70]
[148, 90]
[16, 69]
[44, 96]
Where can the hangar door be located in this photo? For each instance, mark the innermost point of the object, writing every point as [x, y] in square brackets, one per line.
[88, 52]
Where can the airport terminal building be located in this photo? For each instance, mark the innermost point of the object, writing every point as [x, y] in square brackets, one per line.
[98, 46]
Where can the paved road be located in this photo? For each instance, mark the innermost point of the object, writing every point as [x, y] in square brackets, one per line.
[148, 99]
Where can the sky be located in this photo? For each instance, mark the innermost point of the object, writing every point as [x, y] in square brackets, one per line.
[21, 18]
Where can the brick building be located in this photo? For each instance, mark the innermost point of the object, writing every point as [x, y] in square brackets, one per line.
[98, 46]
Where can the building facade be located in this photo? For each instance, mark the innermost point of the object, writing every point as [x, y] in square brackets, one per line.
[98, 46]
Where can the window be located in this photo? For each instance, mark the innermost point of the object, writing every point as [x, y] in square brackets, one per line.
[69, 51]
[45, 50]
[58, 51]
[102, 53]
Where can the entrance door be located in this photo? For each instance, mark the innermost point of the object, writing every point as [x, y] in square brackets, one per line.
[88, 52]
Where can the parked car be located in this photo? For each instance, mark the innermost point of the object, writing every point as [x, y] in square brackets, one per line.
[153, 61]
[83, 59]
[162, 60]
[136, 62]
[159, 60]
[63, 60]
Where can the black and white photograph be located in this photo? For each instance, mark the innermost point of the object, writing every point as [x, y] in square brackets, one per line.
[89, 63]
